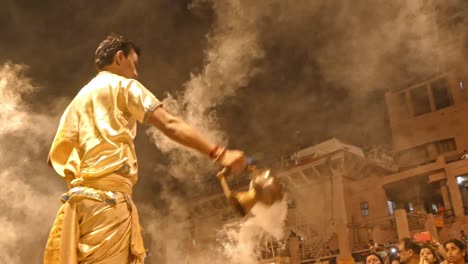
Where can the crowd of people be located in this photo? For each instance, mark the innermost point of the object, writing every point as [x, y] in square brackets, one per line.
[409, 251]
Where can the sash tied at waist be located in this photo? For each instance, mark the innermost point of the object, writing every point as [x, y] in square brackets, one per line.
[105, 189]
[112, 182]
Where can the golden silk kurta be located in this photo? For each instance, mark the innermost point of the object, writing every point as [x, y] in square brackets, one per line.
[94, 151]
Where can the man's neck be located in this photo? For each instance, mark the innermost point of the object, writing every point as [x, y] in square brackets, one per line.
[413, 261]
[112, 69]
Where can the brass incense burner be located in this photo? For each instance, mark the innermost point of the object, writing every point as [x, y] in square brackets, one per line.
[264, 188]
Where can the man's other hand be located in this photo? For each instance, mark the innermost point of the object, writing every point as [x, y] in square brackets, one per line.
[234, 160]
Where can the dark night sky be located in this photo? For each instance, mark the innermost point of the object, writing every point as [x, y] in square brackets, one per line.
[313, 70]
[57, 40]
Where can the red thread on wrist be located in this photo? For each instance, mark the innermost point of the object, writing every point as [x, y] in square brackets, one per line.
[213, 151]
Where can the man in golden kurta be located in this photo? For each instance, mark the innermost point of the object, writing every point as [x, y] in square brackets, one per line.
[94, 152]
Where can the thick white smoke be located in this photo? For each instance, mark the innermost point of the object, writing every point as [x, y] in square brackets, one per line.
[12, 87]
[231, 57]
[29, 192]
[266, 222]
[232, 52]
[238, 242]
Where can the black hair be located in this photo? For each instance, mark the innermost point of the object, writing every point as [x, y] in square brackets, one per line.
[457, 243]
[410, 244]
[437, 258]
[375, 254]
[112, 44]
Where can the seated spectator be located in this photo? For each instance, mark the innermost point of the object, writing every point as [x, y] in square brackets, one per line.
[465, 155]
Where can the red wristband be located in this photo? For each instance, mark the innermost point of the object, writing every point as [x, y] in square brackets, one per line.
[213, 151]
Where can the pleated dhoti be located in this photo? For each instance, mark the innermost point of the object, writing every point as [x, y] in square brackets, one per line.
[94, 226]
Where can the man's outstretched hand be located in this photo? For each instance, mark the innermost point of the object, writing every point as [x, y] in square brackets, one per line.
[234, 160]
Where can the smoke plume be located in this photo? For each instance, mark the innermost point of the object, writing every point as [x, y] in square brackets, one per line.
[266, 222]
[28, 195]
[231, 55]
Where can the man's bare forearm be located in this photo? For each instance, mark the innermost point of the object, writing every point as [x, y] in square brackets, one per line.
[179, 131]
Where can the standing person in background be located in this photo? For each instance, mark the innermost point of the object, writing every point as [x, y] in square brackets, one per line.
[440, 210]
[94, 152]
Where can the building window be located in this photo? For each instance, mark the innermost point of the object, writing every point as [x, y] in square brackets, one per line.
[402, 105]
[441, 93]
[414, 155]
[391, 207]
[364, 208]
[446, 145]
[420, 100]
[421, 152]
